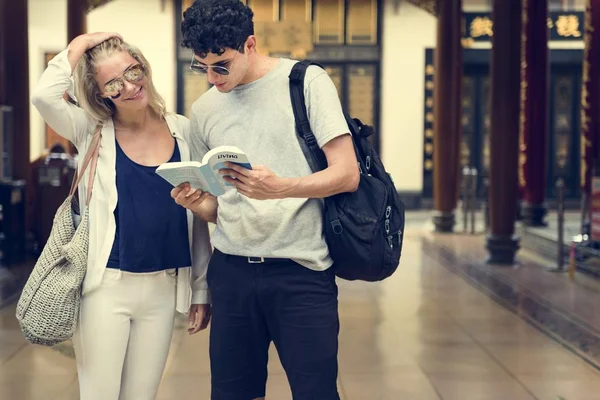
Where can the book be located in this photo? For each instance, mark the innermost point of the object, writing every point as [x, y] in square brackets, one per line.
[204, 175]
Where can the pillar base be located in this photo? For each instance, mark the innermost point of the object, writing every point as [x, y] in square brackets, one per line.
[533, 214]
[520, 211]
[502, 249]
[444, 221]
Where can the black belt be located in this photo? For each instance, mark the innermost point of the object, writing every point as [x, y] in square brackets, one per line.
[255, 260]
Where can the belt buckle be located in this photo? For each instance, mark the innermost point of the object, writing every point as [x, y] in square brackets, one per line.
[256, 260]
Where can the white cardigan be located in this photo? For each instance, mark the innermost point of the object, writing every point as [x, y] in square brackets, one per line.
[74, 124]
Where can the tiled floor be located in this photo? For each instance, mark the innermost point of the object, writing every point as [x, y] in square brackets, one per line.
[426, 333]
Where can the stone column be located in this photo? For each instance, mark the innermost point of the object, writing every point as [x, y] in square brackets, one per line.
[502, 244]
[533, 142]
[447, 112]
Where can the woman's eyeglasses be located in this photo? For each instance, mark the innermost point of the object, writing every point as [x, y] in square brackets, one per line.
[133, 74]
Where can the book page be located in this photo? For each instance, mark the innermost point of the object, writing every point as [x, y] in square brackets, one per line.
[177, 173]
[214, 181]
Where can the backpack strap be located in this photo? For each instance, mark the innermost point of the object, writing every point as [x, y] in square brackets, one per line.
[313, 153]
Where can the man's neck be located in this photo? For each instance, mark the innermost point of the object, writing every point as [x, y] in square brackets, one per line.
[260, 65]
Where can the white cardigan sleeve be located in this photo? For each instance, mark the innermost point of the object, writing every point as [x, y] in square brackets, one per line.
[201, 247]
[68, 120]
[201, 254]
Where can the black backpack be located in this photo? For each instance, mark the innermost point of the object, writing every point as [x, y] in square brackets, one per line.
[364, 229]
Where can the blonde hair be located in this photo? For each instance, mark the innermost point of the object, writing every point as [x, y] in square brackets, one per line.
[87, 92]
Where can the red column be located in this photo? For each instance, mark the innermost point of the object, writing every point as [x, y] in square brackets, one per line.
[76, 25]
[590, 106]
[14, 79]
[76, 18]
[501, 243]
[3, 52]
[533, 133]
[447, 112]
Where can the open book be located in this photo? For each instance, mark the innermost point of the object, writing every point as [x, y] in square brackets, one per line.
[204, 175]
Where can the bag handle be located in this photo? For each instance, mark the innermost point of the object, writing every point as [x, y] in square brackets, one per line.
[91, 157]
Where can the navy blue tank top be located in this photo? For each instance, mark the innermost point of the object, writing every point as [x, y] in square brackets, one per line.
[152, 231]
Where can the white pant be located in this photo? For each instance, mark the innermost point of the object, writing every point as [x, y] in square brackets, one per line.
[124, 334]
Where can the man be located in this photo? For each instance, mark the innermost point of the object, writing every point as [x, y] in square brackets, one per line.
[269, 277]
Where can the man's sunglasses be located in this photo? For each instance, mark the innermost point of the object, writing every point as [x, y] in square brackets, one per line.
[203, 69]
[133, 74]
[218, 69]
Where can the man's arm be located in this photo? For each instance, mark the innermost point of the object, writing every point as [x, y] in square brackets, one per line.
[340, 176]
[331, 131]
[202, 204]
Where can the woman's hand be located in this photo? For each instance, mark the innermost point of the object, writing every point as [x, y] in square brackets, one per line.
[202, 204]
[89, 40]
[84, 42]
[198, 318]
[188, 197]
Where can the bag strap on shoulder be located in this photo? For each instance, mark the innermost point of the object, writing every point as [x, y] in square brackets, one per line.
[313, 153]
[91, 160]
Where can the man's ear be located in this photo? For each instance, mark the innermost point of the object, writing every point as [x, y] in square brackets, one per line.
[251, 43]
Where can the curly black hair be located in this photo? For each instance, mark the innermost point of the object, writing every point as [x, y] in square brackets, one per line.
[213, 26]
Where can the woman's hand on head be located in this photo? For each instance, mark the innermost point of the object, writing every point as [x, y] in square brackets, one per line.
[89, 40]
[84, 42]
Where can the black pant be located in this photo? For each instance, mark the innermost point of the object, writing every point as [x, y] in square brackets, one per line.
[276, 300]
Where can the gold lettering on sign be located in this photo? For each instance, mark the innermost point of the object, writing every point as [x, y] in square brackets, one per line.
[429, 70]
[429, 102]
[429, 133]
[465, 153]
[481, 26]
[429, 148]
[429, 117]
[429, 85]
[467, 42]
[585, 144]
[568, 25]
[523, 104]
[585, 104]
[562, 153]
[522, 162]
[428, 165]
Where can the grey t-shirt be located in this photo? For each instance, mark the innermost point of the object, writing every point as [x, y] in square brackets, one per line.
[258, 119]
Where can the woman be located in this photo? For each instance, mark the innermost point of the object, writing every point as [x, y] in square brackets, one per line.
[141, 243]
